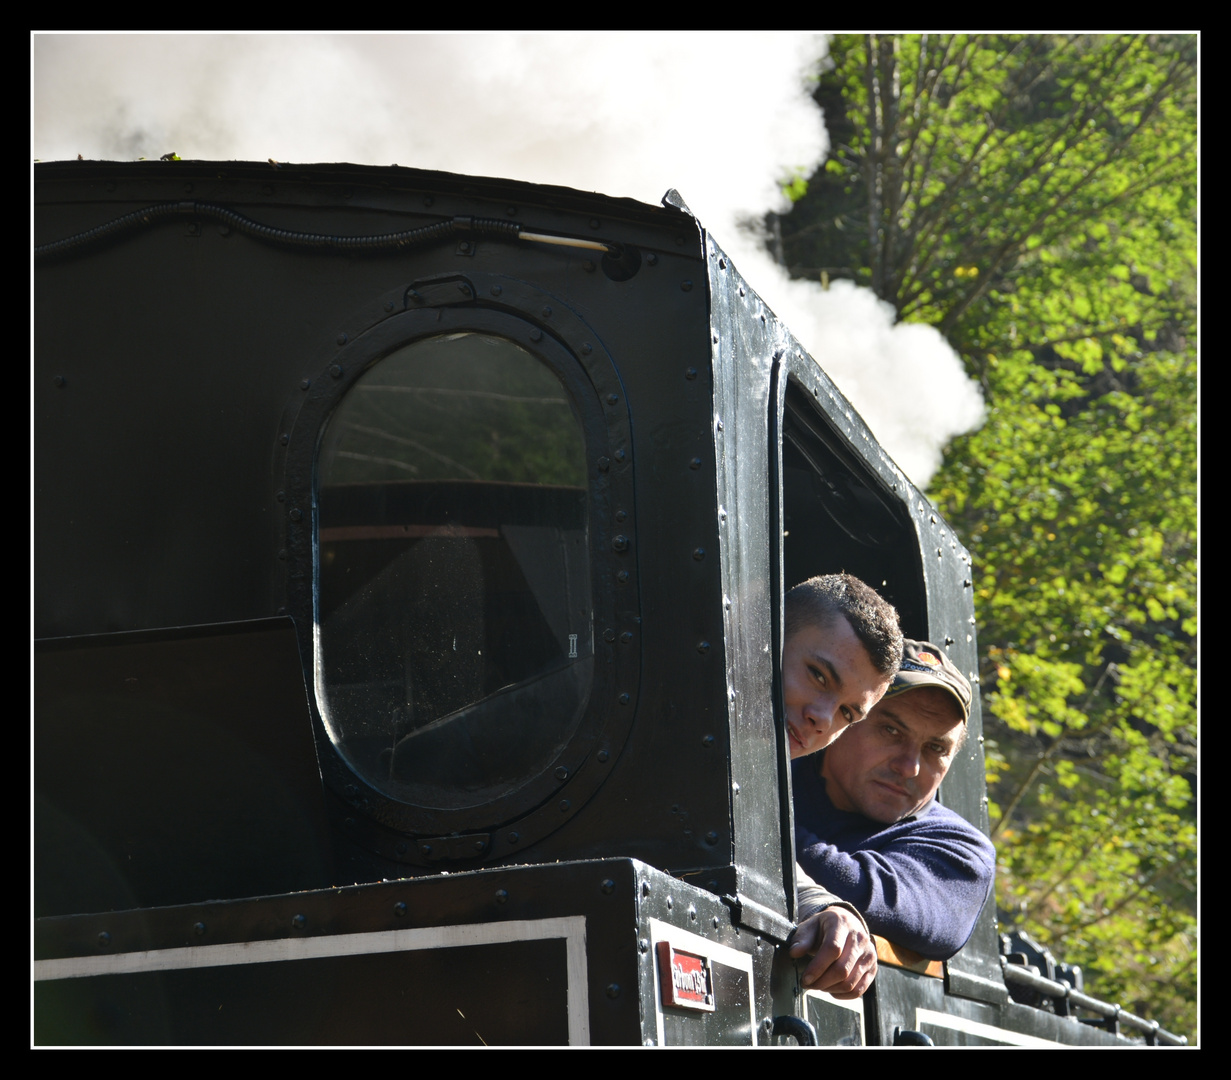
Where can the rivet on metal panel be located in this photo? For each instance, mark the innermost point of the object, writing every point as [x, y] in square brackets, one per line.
[304, 384]
[722, 264]
[948, 641]
[479, 845]
[707, 741]
[388, 305]
[511, 211]
[670, 903]
[603, 755]
[464, 247]
[940, 554]
[609, 635]
[621, 515]
[651, 258]
[513, 837]
[497, 290]
[561, 773]
[722, 513]
[692, 913]
[741, 290]
[686, 286]
[703, 647]
[622, 577]
[604, 463]
[613, 990]
[646, 888]
[399, 909]
[282, 555]
[198, 928]
[625, 699]
[425, 850]
[335, 370]
[284, 438]
[299, 922]
[619, 455]
[502, 896]
[565, 806]
[104, 939]
[536, 334]
[711, 837]
[612, 398]
[586, 348]
[296, 515]
[695, 463]
[690, 373]
[342, 339]
[715, 922]
[698, 553]
[281, 496]
[980, 740]
[734, 788]
[607, 885]
[594, 223]
[626, 637]
[60, 381]
[718, 424]
[350, 791]
[643, 945]
[546, 312]
[965, 583]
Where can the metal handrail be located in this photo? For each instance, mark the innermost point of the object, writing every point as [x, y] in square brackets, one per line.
[1024, 976]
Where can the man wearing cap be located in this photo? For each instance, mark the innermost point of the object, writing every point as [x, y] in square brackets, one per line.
[867, 825]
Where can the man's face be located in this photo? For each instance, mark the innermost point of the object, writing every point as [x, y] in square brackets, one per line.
[828, 683]
[889, 766]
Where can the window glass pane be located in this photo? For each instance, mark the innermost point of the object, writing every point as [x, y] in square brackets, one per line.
[455, 647]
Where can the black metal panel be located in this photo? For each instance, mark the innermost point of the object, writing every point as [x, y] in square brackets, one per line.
[174, 766]
[745, 349]
[174, 364]
[503, 956]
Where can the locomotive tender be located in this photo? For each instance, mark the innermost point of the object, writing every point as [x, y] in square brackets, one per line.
[409, 561]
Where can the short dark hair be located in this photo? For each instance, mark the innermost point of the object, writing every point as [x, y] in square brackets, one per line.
[817, 601]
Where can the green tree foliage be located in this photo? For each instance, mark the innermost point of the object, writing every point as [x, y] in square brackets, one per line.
[1035, 199]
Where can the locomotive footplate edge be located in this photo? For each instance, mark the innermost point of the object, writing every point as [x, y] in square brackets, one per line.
[564, 953]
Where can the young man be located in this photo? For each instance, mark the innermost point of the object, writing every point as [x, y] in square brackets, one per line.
[841, 649]
[868, 828]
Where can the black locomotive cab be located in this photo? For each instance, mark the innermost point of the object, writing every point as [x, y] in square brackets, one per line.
[409, 562]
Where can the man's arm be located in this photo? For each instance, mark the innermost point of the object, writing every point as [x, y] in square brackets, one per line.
[920, 883]
[835, 935]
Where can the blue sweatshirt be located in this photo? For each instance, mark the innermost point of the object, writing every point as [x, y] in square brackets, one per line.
[920, 882]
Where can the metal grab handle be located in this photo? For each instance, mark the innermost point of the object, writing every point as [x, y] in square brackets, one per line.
[796, 1028]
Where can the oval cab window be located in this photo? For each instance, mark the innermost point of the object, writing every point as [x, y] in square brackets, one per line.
[454, 618]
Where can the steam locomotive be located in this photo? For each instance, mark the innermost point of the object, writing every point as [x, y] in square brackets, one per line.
[409, 561]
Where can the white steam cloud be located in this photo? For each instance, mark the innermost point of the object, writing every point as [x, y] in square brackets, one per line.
[725, 118]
